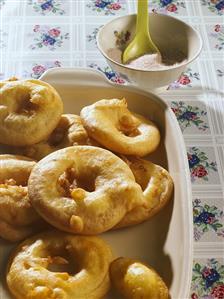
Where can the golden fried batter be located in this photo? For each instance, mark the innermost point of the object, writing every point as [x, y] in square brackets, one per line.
[135, 280]
[115, 127]
[83, 189]
[18, 219]
[157, 187]
[29, 111]
[81, 267]
[69, 131]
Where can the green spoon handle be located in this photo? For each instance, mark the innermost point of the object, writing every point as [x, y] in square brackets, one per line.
[142, 26]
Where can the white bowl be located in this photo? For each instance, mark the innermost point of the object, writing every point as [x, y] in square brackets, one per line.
[165, 241]
[175, 39]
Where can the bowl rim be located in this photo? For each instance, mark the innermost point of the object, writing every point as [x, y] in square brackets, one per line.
[152, 70]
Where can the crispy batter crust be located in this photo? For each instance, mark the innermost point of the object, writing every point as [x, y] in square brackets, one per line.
[157, 186]
[29, 111]
[83, 189]
[28, 276]
[136, 280]
[69, 131]
[18, 219]
[115, 127]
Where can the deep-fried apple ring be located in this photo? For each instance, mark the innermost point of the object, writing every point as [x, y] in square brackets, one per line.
[83, 189]
[58, 265]
[115, 127]
[17, 217]
[29, 111]
[69, 131]
[157, 187]
[135, 280]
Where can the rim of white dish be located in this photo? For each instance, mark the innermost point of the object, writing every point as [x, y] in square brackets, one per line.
[57, 74]
[153, 70]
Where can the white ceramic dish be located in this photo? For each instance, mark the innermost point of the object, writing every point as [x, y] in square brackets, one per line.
[172, 36]
[165, 241]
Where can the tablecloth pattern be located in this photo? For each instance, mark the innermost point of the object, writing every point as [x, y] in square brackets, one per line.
[36, 35]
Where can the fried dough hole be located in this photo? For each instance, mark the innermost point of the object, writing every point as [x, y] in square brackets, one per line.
[56, 265]
[29, 111]
[83, 189]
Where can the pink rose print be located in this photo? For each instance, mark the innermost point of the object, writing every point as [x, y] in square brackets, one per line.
[184, 80]
[187, 116]
[206, 218]
[217, 28]
[218, 35]
[119, 80]
[38, 69]
[218, 292]
[175, 110]
[109, 73]
[210, 219]
[167, 6]
[199, 171]
[193, 116]
[206, 272]
[208, 280]
[199, 164]
[172, 8]
[108, 7]
[115, 6]
[48, 37]
[54, 32]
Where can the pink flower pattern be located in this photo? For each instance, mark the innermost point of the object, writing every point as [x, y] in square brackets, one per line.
[208, 280]
[50, 38]
[207, 218]
[199, 171]
[109, 73]
[199, 165]
[108, 7]
[218, 35]
[167, 6]
[186, 80]
[54, 32]
[172, 8]
[218, 292]
[38, 69]
[188, 115]
[45, 7]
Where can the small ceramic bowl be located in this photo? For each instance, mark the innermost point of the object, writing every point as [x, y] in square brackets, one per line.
[177, 41]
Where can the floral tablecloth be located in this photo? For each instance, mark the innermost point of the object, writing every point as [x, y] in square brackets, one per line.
[36, 35]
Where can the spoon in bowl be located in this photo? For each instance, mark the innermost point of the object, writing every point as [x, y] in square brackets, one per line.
[142, 43]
